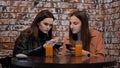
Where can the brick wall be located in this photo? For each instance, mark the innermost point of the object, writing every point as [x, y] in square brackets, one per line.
[17, 15]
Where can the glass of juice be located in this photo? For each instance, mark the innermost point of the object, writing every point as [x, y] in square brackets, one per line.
[78, 59]
[78, 49]
[49, 51]
[48, 60]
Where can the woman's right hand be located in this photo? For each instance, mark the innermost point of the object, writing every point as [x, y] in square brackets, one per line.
[66, 40]
[51, 42]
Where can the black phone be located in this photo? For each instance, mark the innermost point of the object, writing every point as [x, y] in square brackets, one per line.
[68, 46]
[57, 45]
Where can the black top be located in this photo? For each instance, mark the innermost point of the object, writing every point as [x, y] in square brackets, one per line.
[25, 44]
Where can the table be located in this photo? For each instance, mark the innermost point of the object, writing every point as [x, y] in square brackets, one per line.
[63, 62]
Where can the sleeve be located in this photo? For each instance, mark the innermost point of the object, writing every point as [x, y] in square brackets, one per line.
[100, 45]
[24, 44]
[21, 45]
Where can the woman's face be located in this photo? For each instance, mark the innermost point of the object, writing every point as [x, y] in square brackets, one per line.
[75, 24]
[45, 25]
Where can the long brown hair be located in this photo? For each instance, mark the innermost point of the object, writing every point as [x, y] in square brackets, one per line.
[85, 33]
[34, 28]
[40, 16]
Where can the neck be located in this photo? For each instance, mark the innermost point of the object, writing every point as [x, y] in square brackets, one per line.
[79, 36]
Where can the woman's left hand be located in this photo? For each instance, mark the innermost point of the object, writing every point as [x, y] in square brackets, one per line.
[86, 53]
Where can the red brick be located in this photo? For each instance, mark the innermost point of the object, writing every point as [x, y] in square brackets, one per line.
[4, 39]
[8, 45]
[5, 3]
[4, 21]
[15, 9]
[21, 3]
[16, 16]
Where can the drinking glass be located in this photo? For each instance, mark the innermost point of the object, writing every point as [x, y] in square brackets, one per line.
[78, 48]
[49, 51]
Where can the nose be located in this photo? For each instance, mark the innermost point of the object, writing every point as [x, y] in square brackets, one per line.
[71, 26]
[48, 27]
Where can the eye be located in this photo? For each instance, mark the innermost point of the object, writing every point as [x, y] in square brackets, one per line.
[51, 25]
[46, 24]
[75, 23]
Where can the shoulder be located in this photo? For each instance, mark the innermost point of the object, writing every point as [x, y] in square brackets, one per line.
[25, 35]
[26, 32]
[95, 32]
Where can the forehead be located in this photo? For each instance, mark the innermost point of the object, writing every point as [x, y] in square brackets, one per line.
[74, 18]
[48, 20]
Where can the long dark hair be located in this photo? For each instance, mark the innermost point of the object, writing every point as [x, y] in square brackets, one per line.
[85, 33]
[34, 30]
[40, 16]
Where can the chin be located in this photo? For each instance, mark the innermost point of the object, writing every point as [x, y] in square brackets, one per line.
[45, 32]
[74, 32]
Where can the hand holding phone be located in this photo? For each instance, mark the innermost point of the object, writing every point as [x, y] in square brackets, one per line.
[70, 47]
[58, 45]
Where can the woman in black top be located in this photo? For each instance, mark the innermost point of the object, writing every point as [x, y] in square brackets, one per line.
[31, 40]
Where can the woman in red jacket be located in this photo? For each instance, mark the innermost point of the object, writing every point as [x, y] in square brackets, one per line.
[92, 41]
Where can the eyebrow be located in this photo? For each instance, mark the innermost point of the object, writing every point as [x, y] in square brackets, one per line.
[48, 23]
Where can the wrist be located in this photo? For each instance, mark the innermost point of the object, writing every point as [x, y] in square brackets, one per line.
[88, 54]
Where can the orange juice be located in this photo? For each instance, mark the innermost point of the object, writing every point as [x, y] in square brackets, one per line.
[48, 60]
[49, 50]
[78, 59]
[78, 50]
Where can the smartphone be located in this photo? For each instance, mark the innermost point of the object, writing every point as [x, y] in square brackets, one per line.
[58, 45]
[69, 46]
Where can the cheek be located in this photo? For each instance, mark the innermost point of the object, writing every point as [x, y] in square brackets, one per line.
[78, 28]
[42, 26]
